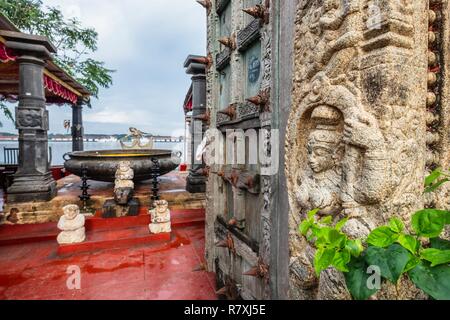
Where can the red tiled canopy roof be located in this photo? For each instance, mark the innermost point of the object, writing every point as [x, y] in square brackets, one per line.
[60, 87]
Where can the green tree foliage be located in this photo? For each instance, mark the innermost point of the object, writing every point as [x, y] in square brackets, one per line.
[74, 42]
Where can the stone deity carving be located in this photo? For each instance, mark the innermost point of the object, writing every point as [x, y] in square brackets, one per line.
[124, 185]
[356, 128]
[72, 226]
[160, 216]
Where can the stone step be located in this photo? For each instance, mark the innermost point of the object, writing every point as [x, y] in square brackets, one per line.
[26, 233]
[115, 239]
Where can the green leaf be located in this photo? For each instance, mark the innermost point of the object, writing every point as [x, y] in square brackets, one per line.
[435, 281]
[412, 263]
[436, 185]
[323, 259]
[391, 261]
[436, 174]
[436, 256]
[355, 247]
[356, 279]
[305, 226]
[438, 243]
[429, 222]
[409, 242]
[331, 238]
[382, 237]
[312, 213]
[341, 224]
[326, 220]
[396, 225]
[336, 239]
[340, 260]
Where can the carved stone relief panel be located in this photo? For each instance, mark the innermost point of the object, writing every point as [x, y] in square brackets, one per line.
[31, 118]
[355, 144]
[249, 35]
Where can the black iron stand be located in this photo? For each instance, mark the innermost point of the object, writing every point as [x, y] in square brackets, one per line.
[155, 172]
[85, 196]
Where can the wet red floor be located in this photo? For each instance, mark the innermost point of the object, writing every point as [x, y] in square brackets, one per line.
[164, 271]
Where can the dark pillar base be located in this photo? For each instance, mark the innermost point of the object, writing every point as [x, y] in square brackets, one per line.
[112, 210]
[30, 187]
[196, 184]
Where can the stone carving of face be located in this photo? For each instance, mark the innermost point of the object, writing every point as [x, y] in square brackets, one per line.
[124, 166]
[161, 206]
[71, 211]
[320, 159]
[324, 142]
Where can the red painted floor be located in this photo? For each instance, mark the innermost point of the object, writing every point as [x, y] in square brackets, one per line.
[164, 271]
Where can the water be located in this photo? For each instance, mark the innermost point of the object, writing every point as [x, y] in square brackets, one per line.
[60, 148]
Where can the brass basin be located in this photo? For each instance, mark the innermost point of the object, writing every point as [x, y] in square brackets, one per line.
[102, 165]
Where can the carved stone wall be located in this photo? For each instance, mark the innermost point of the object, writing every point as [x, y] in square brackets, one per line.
[357, 134]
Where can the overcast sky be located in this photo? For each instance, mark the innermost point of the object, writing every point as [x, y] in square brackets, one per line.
[146, 41]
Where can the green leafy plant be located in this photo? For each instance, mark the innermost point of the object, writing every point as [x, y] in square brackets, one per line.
[436, 179]
[421, 254]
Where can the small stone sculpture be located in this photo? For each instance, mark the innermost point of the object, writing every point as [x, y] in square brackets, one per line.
[160, 218]
[72, 226]
[124, 185]
[137, 140]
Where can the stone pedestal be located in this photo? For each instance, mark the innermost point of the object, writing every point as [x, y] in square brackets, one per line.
[33, 180]
[196, 183]
[113, 210]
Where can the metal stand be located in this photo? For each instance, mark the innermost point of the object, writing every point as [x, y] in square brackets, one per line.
[85, 196]
[155, 172]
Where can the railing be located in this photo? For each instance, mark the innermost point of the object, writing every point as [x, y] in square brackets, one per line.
[11, 156]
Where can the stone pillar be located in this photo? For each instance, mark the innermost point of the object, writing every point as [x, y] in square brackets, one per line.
[33, 180]
[77, 126]
[196, 182]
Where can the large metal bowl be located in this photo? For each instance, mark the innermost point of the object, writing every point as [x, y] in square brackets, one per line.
[102, 165]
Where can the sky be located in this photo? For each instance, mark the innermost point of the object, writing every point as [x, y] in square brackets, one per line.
[146, 42]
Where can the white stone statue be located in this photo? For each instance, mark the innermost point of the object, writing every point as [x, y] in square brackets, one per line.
[160, 218]
[124, 185]
[72, 226]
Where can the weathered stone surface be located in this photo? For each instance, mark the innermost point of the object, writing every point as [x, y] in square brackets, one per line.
[71, 225]
[113, 210]
[160, 218]
[356, 142]
[172, 189]
[124, 185]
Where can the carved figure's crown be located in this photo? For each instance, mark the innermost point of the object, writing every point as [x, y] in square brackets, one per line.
[326, 115]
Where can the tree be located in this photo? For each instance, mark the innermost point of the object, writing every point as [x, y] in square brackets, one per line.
[74, 42]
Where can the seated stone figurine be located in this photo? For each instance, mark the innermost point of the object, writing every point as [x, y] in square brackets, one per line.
[72, 226]
[160, 218]
[124, 186]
